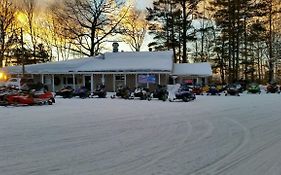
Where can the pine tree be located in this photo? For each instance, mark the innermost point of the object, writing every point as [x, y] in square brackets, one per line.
[170, 22]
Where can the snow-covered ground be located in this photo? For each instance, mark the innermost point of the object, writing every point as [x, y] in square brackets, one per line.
[210, 136]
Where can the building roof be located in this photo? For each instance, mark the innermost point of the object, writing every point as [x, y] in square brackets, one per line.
[109, 62]
[195, 69]
[119, 62]
[132, 62]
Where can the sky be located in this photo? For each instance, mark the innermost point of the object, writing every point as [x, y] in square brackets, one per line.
[143, 3]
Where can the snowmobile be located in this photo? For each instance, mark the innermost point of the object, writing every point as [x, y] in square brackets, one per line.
[122, 92]
[141, 93]
[272, 88]
[233, 89]
[254, 88]
[34, 97]
[81, 92]
[197, 90]
[100, 92]
[160, 93]
[213, 90]
[65, 92]
[184, 93]
[6, 91]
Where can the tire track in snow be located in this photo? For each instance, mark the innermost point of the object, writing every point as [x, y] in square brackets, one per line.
[176, 147]
[210, 169]
[246, 156]
[161, 134]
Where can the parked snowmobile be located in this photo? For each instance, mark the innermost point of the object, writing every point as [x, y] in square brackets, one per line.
[254, 88]
[160, 93]
[184, 93]
[81, 92]
[272, 88]
[100, 92]
[122, 92]
[213, 90]
[4, 91]
[35, 95]
[29, 99]
[197, 90]
[141, 93]
[66, 92]
[233, 89]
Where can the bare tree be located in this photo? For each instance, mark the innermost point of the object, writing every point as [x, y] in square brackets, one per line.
[51, 35]
[29, 10]
[7, 19]
[134, 28]
[87, 23]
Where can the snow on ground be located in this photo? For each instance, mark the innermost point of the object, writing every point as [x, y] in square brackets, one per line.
[210, 136]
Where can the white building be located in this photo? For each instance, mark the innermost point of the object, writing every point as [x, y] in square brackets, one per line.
[130, 69]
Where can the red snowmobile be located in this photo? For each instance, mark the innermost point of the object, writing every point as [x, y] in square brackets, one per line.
[272, 88]
[197, 90]
[34, 98]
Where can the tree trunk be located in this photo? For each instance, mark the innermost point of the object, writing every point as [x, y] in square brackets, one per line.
[271, 65]
[184, 37]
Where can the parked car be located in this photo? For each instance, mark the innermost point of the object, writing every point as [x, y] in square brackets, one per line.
[18, 82]
[2, 83]
[13, 82]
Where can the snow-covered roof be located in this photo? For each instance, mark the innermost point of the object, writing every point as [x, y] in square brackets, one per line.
[195, 69]
[109, 62]
[51, 67]
[131, 62]
[118, 62]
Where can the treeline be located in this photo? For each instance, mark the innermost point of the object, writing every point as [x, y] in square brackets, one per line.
[241, 38]
[33, 32]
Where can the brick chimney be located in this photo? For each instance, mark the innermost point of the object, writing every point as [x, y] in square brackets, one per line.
[115, 46]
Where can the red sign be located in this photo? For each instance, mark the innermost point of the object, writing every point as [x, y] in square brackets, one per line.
[188, 81]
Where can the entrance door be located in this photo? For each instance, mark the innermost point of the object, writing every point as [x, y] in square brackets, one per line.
[87, 82]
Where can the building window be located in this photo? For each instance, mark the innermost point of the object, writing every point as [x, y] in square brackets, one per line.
[120, 77]
[69, 80]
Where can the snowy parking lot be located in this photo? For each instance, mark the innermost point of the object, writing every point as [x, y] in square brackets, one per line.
[210, 136]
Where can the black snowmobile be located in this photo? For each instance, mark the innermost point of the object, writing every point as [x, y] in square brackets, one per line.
[81, 92]
[272, 88]
[141, 93]
[233, 89]
[184, 93]
[161, 93]
[213, 90]
[99, 91]
[65, 92]
[122, 92]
